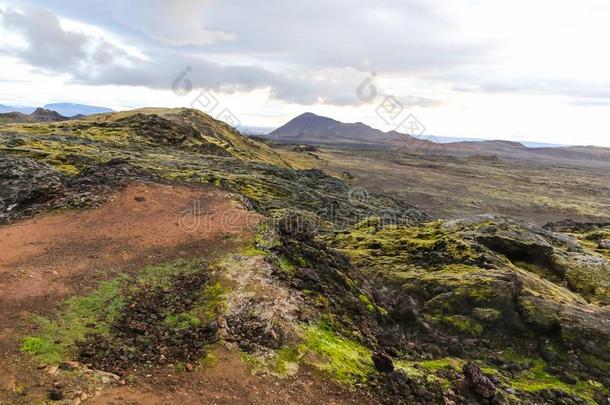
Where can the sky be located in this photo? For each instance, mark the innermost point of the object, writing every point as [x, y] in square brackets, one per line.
[493, 69]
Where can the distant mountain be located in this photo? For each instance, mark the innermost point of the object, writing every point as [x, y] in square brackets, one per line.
[454, 139]
[309, 128]
[253, 130]
[39, 115]
[65, 109]
[10, 108]
[71, 109]
[312, 128]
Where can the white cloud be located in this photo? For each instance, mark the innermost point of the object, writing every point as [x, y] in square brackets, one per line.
[462, 66]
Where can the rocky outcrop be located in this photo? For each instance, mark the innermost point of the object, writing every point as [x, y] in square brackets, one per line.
[492, 282]
[30, 186]
[476, 381]
[25, 183]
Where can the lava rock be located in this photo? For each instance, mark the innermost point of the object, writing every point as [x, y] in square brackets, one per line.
[604, 244]
[56, 395]
[477, 381]
[382, 363]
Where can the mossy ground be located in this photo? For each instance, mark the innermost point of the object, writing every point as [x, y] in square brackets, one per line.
[344, 360]
[80, 316]
[57, 338]
[186, 145]
[536, 377]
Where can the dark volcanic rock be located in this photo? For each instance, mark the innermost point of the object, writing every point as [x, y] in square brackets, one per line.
[158, 129]
[56, 395]
[474, 379]
[382, 362]
[112, 174]
[28, 186]
[142, 335]
[25, 182]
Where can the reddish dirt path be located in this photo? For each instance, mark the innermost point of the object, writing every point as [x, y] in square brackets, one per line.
[230, 382]
[46, 259]
[53, 256]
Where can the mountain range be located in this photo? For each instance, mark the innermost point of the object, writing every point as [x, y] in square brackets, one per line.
[309, 128]
[39, 115]
[65, 109]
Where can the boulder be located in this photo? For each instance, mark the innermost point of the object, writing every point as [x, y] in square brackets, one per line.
[475, 380]
[382, 363]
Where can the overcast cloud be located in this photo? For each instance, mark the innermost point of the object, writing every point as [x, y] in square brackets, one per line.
[448, 60]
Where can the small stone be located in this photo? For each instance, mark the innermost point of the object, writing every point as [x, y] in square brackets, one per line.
[188, 366]
[140, 198]
[68, 365]
[52, 370]
[56, 395]
[382, 363]
[604, 244]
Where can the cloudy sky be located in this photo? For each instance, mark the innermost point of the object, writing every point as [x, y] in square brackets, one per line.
[518, 70]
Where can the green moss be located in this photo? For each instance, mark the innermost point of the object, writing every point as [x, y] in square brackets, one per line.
[439, 364]
[409, 368]
[80, 316]
[209, 360]
[463, 324]
[262, 242]
[94, 313]
[427, 371]
[256, 364]
[369, 225]
[182, 321]
[321, 301]
[43, 349]
[540, 271]
[253, 251]
[537, 379]
[488, 315]
[402, 248]
[286, 265]
[287, 360]
[366, 301]
[344, 360]
[211, 303]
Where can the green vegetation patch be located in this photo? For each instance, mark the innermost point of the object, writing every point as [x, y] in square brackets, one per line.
[408, 244]
[80, 316]
[345, 360]
[536, 378]
[101, 311]
[463, 324]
